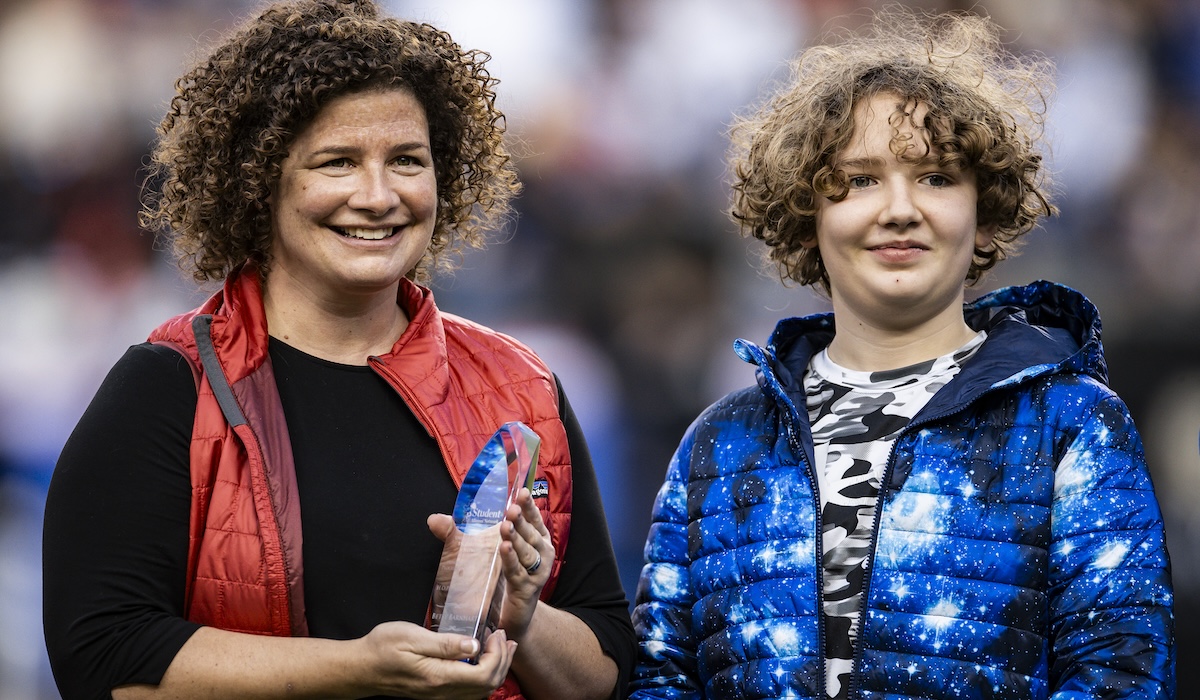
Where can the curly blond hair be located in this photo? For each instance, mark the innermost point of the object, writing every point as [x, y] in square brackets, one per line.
[235, 114]
[986, 115]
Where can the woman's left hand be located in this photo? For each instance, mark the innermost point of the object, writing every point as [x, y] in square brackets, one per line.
[528, 555]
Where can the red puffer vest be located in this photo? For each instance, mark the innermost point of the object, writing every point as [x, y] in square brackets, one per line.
[461, 380]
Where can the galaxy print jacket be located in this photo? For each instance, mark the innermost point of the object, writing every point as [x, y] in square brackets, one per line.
[1018, 554]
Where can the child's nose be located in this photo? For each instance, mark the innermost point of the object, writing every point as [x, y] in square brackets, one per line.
[900, 209]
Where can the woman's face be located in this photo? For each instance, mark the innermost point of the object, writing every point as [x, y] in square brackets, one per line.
[356, 202]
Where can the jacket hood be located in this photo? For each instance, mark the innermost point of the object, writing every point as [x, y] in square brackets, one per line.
[1056, 326]
[1035, 329]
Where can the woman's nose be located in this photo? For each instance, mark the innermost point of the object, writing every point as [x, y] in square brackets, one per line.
[374, 192]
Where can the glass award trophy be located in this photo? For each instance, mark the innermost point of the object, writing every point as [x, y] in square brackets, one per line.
[469, 588]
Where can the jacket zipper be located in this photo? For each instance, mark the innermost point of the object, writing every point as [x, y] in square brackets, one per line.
[859, 649]
[818, 549]
[791, 418]
[885, 478]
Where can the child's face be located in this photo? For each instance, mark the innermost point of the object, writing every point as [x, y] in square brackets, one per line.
[898, 247]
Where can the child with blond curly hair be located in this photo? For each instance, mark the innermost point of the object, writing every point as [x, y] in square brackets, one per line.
[920, 498]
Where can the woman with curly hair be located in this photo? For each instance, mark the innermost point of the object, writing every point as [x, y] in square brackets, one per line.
[920, 498]
[254, 503]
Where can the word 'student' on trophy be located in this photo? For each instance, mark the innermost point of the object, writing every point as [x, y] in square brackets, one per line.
[469, 590]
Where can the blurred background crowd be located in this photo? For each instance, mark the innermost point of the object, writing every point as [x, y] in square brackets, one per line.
[621, 267]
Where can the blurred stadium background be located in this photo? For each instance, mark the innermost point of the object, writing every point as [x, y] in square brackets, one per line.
[621, 267]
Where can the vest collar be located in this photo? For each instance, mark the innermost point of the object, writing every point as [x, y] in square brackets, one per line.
[420, 358]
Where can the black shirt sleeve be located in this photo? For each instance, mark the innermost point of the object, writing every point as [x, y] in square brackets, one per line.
[589, 585]
[116, 528]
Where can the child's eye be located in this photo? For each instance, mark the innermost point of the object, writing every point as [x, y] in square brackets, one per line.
[937, 180]
[858, 181]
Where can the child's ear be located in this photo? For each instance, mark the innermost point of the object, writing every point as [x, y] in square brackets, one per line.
[984, 236]
[809, 243]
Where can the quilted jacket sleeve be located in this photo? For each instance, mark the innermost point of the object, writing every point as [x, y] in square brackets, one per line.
[662, 617]
[1109, 578]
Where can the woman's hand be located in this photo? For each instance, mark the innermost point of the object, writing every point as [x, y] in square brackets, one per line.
[559, 655]
[528, 556]
[395, 658]
[413, 662]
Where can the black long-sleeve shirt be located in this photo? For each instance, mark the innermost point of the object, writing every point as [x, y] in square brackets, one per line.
[116, 531]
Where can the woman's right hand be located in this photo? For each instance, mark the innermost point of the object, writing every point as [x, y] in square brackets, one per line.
[411, 661]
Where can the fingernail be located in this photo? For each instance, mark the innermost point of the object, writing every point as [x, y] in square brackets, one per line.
[470, 647]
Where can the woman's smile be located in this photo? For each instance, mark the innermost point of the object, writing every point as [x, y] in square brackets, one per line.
[369, 234]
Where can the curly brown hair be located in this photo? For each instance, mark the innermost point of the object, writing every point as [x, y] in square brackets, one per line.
[235, 114]
[986, 115]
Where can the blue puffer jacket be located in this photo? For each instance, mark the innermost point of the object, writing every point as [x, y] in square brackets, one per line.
[1019, 551]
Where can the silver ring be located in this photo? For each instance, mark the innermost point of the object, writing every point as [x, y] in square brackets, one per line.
[537, 563]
